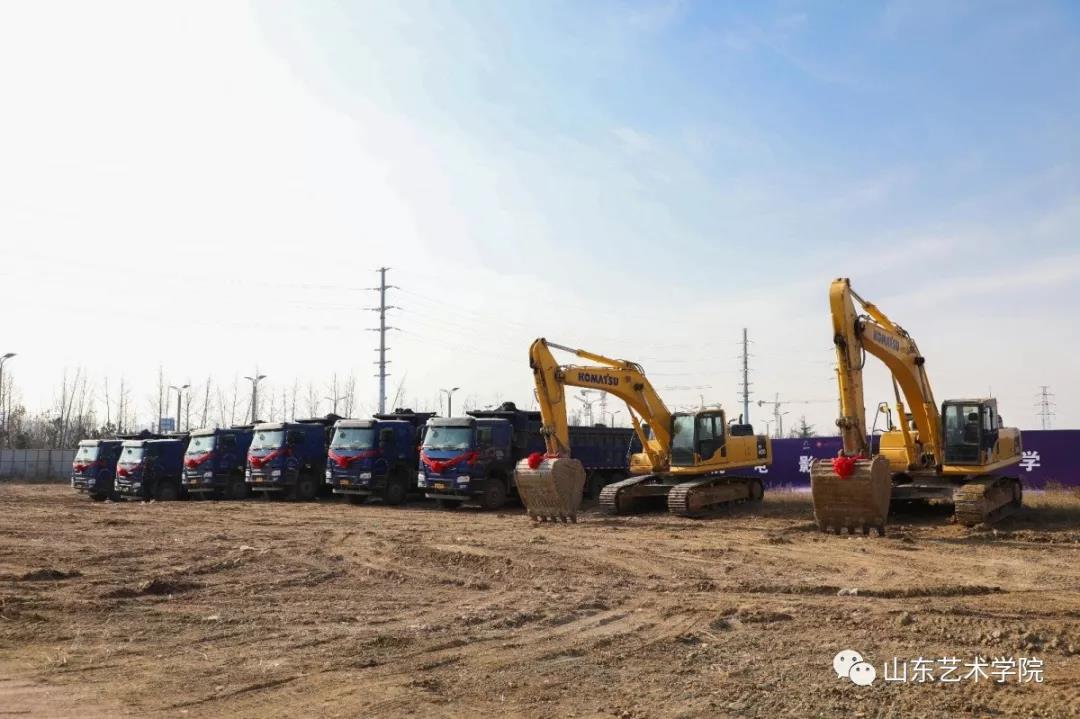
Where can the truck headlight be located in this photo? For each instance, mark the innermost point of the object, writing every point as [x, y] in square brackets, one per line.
[275, 473]
[463, 479]
[365, 475]
[421, 480]
[247, 473]
[91, 482]
[329, 475]
[208, 475]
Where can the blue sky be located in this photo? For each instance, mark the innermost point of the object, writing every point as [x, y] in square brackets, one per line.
[642, 179]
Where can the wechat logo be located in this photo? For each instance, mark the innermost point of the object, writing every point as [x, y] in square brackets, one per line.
[851, 665]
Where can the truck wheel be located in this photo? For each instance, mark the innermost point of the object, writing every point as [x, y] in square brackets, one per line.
[395, 491]
[306, 489]
[237, 489]
[166, 492]
[355, 498]
[494, 494]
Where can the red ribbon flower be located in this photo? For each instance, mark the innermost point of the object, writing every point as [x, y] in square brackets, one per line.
[535, 459]
[438, 466]
[258, 462]
[343, 461]
[193, 462]
[844, 466]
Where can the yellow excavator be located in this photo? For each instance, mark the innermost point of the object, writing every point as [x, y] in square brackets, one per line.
[960, 453]
[687, 457]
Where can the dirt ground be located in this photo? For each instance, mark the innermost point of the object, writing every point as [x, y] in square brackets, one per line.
[260, 609]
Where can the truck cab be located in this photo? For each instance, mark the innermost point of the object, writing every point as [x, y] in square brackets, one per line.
[375, 457]
[289, 458]
[151, 469]
[214, 462]
[94, 468]
[471, 459]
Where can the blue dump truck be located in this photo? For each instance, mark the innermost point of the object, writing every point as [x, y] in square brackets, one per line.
[94, 467]
[289, 458]
[471, 459]
[215, 460]
[152, 468]
[376, 457]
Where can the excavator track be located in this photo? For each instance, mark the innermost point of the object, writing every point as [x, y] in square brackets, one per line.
[700, 496]
[987, 500]
[624, 497]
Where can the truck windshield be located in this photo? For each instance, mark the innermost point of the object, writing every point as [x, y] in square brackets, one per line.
[448, 438]
[268, 440]
[132, 454]
[682, 436]
[354, 438]
[199, 445]
[87, 452]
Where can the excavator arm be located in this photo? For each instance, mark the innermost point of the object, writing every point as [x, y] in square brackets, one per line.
[855, 335]
[621, 378]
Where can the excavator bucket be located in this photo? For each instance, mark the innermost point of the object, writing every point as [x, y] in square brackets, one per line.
[552, 491]
[858, 499]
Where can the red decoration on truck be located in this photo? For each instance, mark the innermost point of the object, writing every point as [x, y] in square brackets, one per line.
[438, 466]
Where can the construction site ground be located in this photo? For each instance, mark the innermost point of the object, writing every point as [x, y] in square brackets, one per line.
[322, 609]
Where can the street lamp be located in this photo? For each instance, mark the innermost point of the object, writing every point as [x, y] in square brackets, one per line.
[3, 412]
[254, 392]
[613, 416]
[179, 393]
[450, 400]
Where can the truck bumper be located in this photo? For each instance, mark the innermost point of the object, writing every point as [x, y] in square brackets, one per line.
[132, 491]
[454, 492]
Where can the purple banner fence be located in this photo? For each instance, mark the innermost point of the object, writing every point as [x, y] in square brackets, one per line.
[1049, 456]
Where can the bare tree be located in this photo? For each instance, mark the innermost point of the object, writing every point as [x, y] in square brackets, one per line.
[312, 400]
[399, 393]
[292, 403]
[206, 403]
[122, 418]
[162, 389]
[350, 396]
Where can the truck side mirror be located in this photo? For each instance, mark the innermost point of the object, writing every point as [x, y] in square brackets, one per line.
[386, 438]
[483, 437]
[294, 438]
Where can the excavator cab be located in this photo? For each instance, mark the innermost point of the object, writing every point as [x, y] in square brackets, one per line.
[696, 437]
[971, 430]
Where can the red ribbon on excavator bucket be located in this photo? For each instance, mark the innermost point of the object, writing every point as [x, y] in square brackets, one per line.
[844, 466]
[438, 466]
[535, 459]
